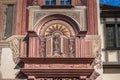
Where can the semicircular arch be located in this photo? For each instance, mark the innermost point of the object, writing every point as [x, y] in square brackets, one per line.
[55, 17]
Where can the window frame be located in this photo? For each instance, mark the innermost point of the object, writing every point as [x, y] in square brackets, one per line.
[65, 3]
[50, 2]
[58, 3]
[116, 23]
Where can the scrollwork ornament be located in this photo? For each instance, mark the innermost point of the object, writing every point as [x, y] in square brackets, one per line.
[14, 45]
[97, 51]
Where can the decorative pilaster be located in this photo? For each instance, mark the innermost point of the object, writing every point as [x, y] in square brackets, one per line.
[43, 47]
[72, 47]
[77, 47]
[20, 17]
[92, 16]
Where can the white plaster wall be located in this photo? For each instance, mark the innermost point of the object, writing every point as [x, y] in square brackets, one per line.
[7, 64]
[102, 35]
[112, 55]
[111, 76]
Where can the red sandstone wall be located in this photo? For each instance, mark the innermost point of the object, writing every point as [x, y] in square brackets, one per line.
[92, 17]
[20, 17]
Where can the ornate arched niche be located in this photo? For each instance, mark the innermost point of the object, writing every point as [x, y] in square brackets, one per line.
[57, 39]
[53, 28]
[40, 23]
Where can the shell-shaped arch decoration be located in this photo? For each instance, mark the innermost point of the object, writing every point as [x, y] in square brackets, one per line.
[57, 28]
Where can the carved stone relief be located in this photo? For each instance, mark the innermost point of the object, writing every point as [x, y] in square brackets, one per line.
[4, 21]
[72, 45]
[14, 43]
[97, 49]
[7, 21]
[39, 14]
[78, 15]
[43, 47]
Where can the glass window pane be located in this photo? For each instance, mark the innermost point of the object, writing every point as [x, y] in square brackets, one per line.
[47, 3]
[62, 3]
[65, 2]
[53, 2]
[110, 35]
[68, 2]
[50, 2]
[118, 34]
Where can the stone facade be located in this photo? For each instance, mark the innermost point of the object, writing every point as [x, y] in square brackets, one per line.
[51, 42]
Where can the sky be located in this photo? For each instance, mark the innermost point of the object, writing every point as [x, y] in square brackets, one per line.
[111, 2]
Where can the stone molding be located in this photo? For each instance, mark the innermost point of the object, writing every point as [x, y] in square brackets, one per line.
[58, 66]
[94, 75]
[77, 14]
[8, 1]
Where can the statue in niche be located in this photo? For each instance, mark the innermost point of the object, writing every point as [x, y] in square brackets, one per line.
[57, 44]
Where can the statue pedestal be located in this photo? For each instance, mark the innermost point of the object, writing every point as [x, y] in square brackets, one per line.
[57, 54]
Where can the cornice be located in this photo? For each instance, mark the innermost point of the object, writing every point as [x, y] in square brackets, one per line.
[7, 1]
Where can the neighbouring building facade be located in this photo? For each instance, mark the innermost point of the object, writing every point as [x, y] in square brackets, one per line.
[50, 40]
[109, 31]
